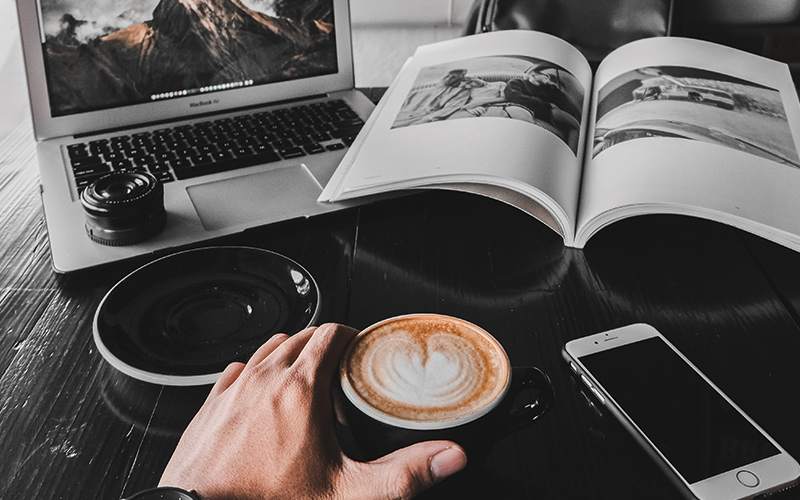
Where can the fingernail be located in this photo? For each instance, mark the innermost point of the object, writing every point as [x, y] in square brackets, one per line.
[447, 462]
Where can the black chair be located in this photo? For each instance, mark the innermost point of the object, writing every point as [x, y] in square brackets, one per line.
[770, 29]
[595, 27]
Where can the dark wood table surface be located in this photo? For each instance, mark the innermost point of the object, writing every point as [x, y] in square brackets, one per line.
[72, 427]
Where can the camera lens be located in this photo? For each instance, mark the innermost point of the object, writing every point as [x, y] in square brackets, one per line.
[123, 208]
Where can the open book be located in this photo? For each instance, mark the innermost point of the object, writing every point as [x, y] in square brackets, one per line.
[666, 125]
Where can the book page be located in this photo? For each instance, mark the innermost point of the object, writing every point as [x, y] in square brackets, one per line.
[688, 127]
[469, 112]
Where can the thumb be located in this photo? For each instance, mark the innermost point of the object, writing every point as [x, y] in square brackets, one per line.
[409, 471]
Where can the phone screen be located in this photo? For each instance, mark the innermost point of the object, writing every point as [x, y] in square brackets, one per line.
[694, 427]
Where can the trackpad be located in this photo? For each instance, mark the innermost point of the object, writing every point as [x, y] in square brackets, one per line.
[257, 198]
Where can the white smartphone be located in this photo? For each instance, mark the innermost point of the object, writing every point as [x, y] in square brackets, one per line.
[709, 445]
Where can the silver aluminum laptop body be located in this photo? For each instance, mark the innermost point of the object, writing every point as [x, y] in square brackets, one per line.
[67, 73]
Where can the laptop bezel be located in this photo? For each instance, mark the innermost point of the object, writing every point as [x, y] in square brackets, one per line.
[46, 126]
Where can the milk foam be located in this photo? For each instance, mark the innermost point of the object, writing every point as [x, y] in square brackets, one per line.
[441, 375]
[428, 369]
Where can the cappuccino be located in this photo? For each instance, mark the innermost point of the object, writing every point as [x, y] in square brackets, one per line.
[425, 371]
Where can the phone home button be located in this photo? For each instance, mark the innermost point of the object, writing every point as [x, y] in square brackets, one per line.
[747, 478]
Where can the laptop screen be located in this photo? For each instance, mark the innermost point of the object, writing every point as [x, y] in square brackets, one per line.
[101, 54]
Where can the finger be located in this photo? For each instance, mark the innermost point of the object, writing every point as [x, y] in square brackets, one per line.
[226, 378]
[409, 471]
[288, 351]
[321, 354]
[267, 348]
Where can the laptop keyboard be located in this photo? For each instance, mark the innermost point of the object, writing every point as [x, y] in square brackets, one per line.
[207, 147]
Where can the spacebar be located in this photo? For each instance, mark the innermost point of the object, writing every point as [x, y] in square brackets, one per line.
[225, 165]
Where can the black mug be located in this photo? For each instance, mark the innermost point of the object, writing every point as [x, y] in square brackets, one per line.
[426, 377]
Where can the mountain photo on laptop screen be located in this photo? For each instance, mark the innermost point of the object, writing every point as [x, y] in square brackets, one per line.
[101, 54]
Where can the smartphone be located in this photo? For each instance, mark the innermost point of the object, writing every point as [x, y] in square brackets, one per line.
[708, 445]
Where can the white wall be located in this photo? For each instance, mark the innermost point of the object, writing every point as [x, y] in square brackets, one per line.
[387, 32]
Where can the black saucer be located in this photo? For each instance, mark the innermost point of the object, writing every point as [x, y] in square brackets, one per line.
[182, 319]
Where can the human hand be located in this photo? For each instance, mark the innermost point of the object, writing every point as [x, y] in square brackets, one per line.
[266, 432]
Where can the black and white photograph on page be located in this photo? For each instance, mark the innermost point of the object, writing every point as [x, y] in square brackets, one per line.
[517, 87]
[695, 104]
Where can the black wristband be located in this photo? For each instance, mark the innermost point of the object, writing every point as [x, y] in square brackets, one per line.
[164, 493]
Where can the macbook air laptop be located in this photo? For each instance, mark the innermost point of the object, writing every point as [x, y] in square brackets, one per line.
[241, 108]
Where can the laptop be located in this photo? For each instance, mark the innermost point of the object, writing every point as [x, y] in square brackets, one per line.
[112, 82]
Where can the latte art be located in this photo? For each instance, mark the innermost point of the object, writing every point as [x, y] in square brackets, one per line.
[439, 374]
[426, 368]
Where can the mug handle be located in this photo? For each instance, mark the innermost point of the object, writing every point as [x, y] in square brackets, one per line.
[529, 378]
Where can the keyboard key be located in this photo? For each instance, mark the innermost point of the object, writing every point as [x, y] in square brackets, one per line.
[143, 160]
[85, 161]
[222, 156]
[164, 176]
[346, 132]
[201, 159]
[114, 156]
[314, 148]
[165, 156]
[98, 149]
[79, 150]
[242, 152]
[124, 164]
[290, 153]
[159, 167]
[91, 169]
[180, 163]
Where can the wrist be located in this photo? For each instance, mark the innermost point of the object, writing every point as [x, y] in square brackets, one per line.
[164, 493]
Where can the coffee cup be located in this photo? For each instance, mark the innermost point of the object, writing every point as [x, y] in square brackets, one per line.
[423, 377]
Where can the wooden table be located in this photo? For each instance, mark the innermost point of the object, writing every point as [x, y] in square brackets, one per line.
[73, 428]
